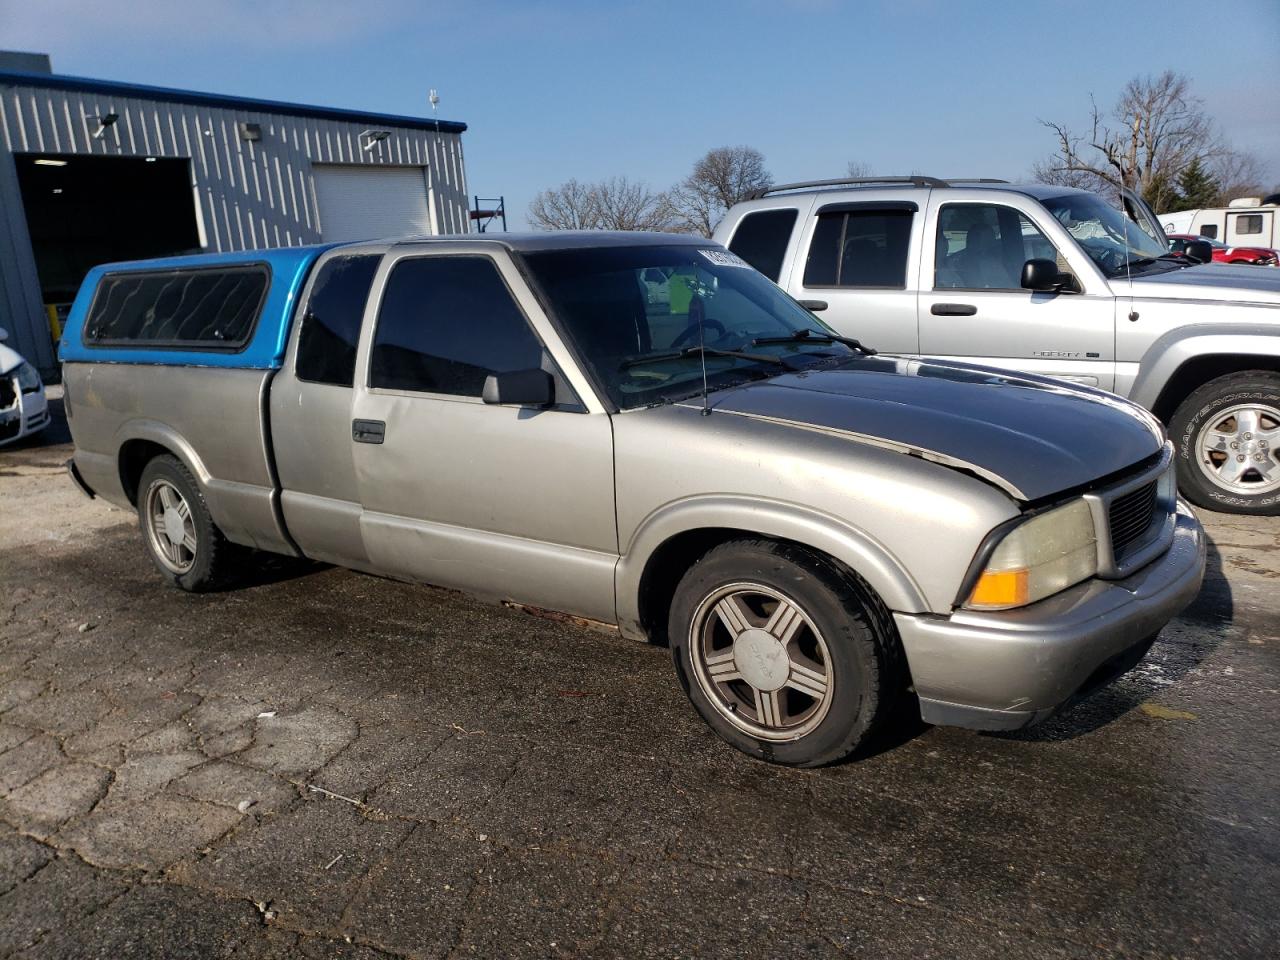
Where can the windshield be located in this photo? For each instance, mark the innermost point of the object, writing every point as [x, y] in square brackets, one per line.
[634, 315]
[1113, 241]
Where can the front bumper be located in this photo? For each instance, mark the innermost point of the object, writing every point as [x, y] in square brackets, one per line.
[28, 414]
[1007, 670]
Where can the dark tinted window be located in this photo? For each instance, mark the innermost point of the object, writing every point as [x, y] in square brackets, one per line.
[445, 324]
[761, 240]
[859, 249]
[1209, 230]
[331, 323]
[214, 308]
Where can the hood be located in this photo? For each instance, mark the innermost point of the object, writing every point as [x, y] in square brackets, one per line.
[9, 358]
[1245, 283]
[1031, 436]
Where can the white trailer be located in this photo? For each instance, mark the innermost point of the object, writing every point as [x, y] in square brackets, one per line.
[1247, 222]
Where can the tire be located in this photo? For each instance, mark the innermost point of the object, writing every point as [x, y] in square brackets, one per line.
[1228, 438]
[170, 505]
[809, 700]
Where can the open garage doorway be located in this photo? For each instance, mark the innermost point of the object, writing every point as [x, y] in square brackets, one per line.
[86, 210]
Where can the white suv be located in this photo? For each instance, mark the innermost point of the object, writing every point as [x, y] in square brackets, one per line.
[1046, 280]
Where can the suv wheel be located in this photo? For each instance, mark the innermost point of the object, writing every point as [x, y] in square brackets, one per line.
[1228, 436]
[784, 656]
[188, 550]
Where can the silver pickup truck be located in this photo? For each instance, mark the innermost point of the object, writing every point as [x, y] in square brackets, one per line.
[640, 430]
[1045, 280]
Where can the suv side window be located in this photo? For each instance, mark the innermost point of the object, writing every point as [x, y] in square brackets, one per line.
[982, 246]
[761, 239]
[446, 323]
[331, 322]
[859, 248]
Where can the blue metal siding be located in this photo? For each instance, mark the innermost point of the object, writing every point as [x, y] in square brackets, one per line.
[265, 350]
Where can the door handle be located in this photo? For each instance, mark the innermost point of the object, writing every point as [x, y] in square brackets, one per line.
[368, 431]
[953, 310]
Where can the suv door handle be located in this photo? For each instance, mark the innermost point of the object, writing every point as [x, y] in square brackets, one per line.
[953, 310]
[368, 431]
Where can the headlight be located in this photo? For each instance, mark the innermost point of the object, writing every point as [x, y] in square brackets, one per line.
[28, 379]
[1038, 558]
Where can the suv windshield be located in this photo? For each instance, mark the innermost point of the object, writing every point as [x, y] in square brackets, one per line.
[638, 315]
[1113, 241]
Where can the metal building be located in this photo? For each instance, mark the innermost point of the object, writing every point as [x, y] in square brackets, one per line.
[93, 171]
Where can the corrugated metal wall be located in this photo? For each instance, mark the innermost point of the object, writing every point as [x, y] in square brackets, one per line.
[250, 194]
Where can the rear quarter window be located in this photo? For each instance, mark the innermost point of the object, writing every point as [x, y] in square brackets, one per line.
[761, 239]
[210, 308]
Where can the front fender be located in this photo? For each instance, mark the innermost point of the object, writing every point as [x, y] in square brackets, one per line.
[1179, 346]
[836, 537]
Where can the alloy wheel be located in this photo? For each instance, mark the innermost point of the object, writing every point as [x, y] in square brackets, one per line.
[1238, 449]
[170, 527]
[761, 661]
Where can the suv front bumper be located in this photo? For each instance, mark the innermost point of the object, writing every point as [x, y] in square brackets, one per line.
[1007, 670]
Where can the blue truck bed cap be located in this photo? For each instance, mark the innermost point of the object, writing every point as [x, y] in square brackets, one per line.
[265, 344]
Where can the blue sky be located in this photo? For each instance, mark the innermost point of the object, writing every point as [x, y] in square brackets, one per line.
[553, 90]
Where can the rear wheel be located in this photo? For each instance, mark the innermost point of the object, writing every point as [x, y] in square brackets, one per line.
[1228, 436]
[185, 545]
[786, 657]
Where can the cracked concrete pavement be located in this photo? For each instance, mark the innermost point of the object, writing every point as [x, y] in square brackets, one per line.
[325, 764]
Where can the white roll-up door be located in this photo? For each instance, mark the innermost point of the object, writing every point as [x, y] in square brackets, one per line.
[366, 203]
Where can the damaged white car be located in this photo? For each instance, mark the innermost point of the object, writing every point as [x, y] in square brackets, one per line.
[23, 407]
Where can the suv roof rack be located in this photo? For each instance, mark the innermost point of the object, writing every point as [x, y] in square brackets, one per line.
[915, 181]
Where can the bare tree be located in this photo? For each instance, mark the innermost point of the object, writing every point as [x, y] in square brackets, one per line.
[1238, 175]
[856, 168]
[1156, 128]
[623, 205]
[723, 177]
[570, 206]
[613, 204]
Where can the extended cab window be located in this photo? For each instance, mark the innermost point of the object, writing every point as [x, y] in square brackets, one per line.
[982, 246]
[331, 322]
[761, 239]
[212, 307]
[445, 324]
[859, 248]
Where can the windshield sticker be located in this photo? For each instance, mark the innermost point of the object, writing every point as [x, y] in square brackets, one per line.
[723, 258]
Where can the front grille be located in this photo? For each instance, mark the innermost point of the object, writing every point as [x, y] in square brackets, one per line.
[1131, 516]
[10, 428]
[8, 393]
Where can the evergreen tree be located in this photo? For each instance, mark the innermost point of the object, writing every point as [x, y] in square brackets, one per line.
[1197, 188]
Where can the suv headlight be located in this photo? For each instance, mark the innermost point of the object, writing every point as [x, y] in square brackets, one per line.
[28, 378]
[1038, 558]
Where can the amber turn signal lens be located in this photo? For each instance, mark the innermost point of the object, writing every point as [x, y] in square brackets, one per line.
[1001, 588]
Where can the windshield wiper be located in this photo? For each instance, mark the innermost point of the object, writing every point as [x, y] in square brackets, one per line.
[708, 352]
[808, 336]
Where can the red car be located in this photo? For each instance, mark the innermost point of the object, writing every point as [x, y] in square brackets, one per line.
[1223, 253]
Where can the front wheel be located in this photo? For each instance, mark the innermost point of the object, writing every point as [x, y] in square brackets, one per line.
[785, 656]
[1228, 436]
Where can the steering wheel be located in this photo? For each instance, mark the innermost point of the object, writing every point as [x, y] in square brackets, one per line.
[689, 332]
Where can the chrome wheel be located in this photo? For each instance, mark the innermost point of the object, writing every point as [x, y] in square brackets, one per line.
[1238, 448]
[761, 661]
[170, 528]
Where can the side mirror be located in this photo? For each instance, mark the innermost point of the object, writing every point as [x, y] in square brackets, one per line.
[1199, 250]
[813, 306]
[1041, 275]
[4, 334]
[524, 388]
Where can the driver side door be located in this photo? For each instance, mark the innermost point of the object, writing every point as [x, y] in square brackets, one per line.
[973, 307]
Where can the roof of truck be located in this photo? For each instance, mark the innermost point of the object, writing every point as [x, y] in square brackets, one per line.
[538, 241]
